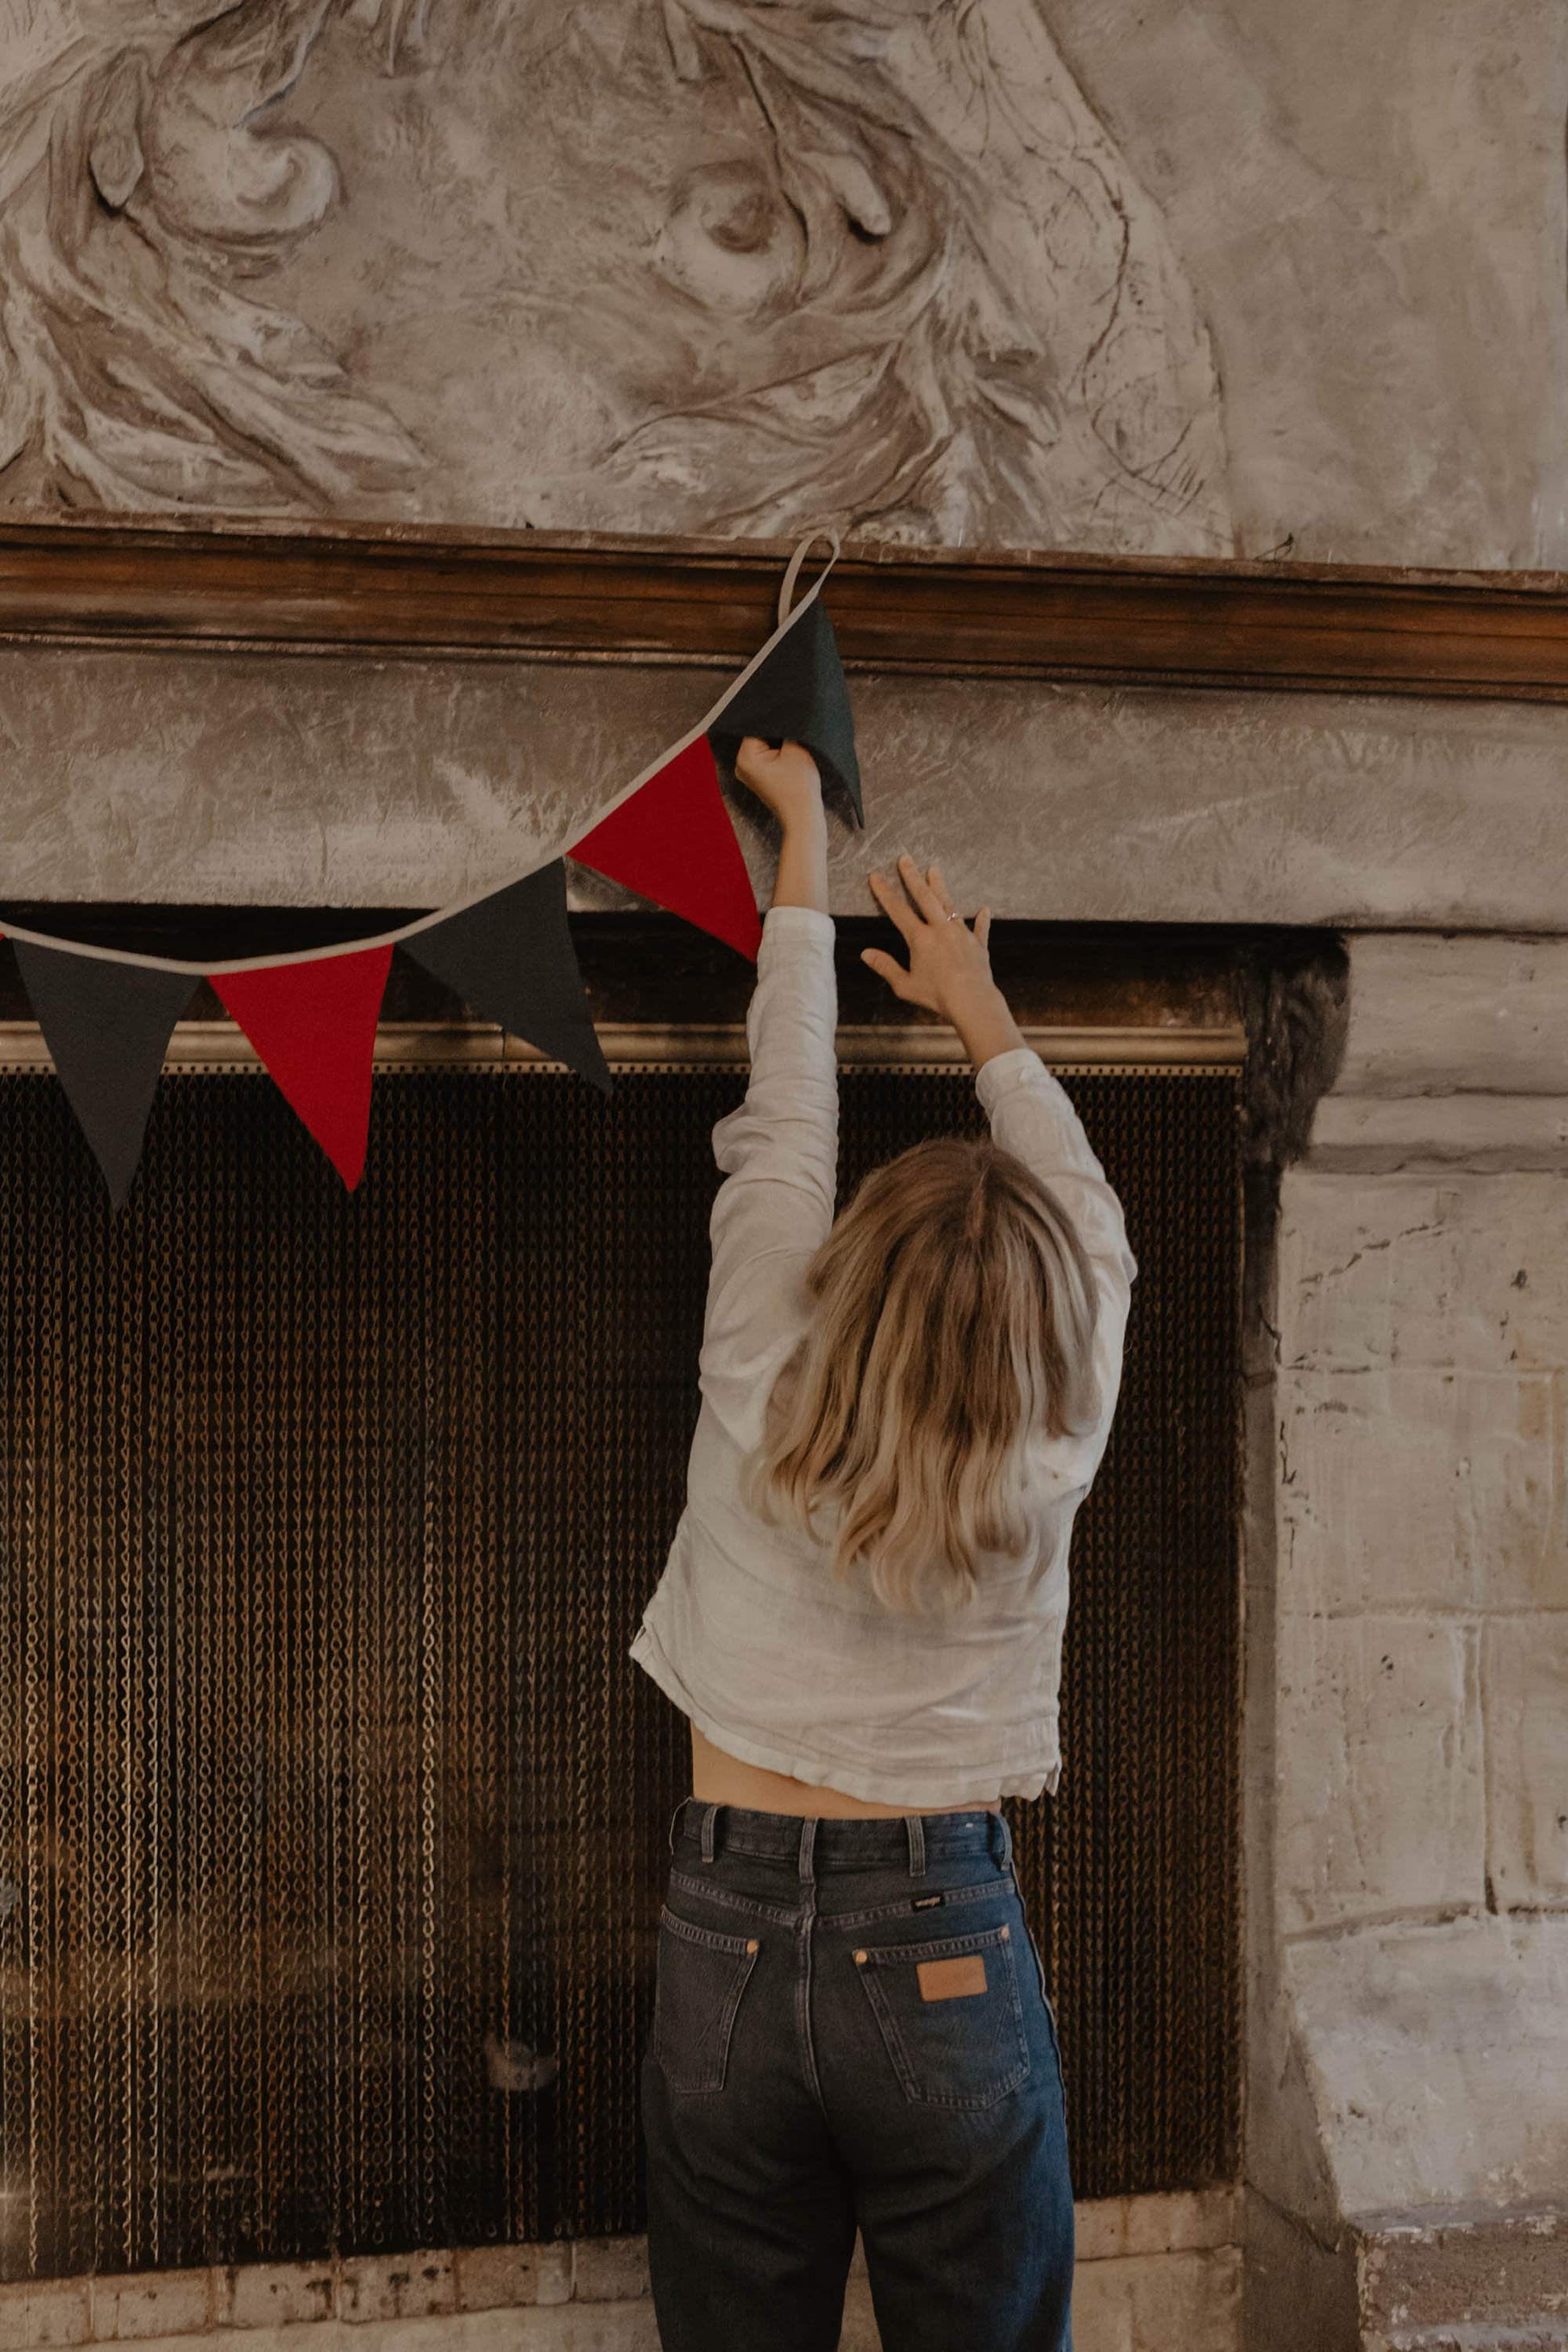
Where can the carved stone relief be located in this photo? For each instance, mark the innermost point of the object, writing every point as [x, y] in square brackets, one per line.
[732, 266]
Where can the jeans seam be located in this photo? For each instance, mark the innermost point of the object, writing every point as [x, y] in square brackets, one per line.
[707, 1890]
[935, 1947]
[704, 1890]
[1045, 2001]
[717, 2069]
[713, 1938]
[899, 1910]
[1033, 1947]
[807, 1869]
[937, 1849]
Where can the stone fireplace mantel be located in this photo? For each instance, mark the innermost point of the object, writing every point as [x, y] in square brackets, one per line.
[242, 778]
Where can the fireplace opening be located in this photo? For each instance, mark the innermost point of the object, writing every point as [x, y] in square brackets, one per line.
[332, 1812]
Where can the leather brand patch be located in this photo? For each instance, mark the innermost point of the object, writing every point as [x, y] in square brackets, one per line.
[950, 1980]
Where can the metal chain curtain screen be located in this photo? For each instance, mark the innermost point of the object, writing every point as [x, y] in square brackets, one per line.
[332, 1813]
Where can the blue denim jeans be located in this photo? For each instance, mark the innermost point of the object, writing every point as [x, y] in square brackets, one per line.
[851, 2029]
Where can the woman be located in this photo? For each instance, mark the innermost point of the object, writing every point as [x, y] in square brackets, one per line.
[862, 1616]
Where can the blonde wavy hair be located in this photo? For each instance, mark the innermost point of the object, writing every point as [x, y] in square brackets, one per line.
[954, 1312]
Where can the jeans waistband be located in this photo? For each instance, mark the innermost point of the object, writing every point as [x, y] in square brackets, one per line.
[813, 1842]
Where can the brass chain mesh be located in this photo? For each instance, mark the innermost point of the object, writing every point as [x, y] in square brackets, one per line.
[331, 1808]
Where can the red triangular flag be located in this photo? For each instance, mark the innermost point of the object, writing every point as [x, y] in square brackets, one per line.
[313, 1025]
[673, 842]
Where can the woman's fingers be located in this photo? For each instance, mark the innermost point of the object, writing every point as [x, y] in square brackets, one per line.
[893, 905]
[983, 925]
[923, 904]
[920, 891]
[887, 968]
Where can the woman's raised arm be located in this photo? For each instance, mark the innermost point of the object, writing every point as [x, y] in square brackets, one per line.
[1030, 1113]
[779, 1149]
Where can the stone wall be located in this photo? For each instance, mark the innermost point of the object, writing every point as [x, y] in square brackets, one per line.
[1409, 1655]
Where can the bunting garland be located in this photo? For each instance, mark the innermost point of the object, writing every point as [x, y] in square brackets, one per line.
[673, 842]
[799, 691]
[512, 962]
[108, 1013]
[108, 1028]
[313, 1025]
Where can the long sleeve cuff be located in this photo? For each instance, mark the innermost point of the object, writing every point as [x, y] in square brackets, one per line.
[808, 922]
[1004, 1072]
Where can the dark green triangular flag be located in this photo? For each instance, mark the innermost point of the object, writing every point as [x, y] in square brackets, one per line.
[107, 1026]
[798, 694]
[511, 960]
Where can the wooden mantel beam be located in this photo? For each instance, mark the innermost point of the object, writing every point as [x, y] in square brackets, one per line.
[1190, 623]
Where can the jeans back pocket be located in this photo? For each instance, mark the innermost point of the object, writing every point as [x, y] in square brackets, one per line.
[950, 2016]
[700, 1977]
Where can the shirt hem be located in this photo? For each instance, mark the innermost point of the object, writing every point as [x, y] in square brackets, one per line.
[1038, 1777]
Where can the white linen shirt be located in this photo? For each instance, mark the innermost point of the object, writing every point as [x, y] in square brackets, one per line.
[749, 1631]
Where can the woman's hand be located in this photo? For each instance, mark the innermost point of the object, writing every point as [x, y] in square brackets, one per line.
[949, 970]
[785, 781]
[948, 961]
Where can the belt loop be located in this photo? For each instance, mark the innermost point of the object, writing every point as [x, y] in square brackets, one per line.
[807, 1842]
[917, 1836]
[709, 1816]
[676, 1821]
[1000, 1824]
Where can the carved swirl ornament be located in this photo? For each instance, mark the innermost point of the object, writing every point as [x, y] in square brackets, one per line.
[922, 296]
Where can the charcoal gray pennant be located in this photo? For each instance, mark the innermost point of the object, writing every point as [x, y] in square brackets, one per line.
[511, 960]
[799, 695]
[107, 1026]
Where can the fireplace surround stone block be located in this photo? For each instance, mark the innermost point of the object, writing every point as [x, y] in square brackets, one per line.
[162, 2303]
[396, 2286]
[1388, 1816]
[278, 2294]
[1422, 1270]
[494, 2278]
[35, 2316]
[1482, 1510]
[1524, 1675]
[1506, 2272]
